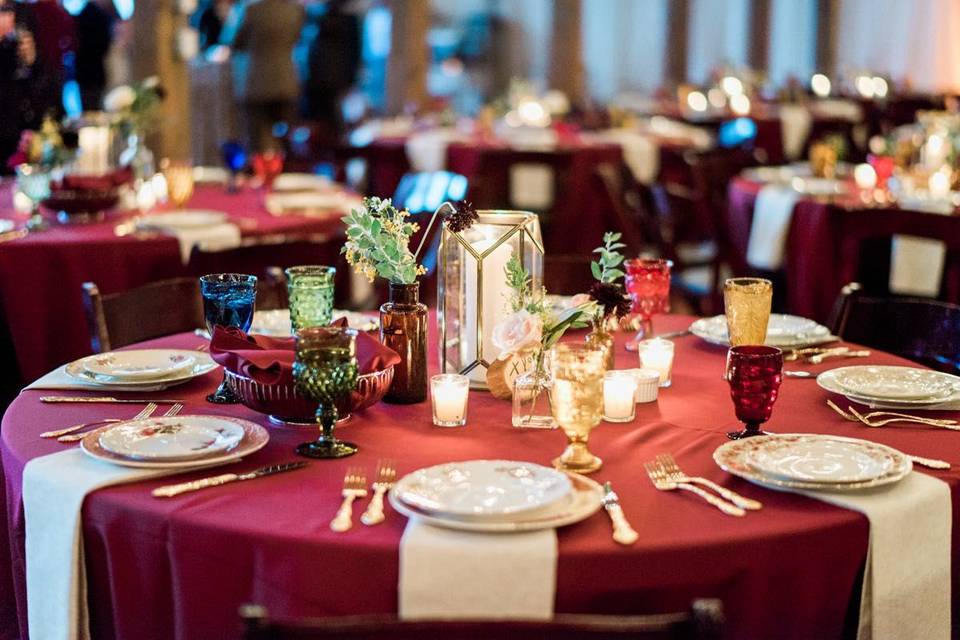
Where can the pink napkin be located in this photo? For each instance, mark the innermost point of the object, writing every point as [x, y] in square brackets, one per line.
[270, 360]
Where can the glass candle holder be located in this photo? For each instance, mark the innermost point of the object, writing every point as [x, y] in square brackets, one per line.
[746, 302]
[657, 354]
[754, 373]
[577, 402]
[648, 384]
[228, 301]
[310, 292]
[619, 393]
[448, 395]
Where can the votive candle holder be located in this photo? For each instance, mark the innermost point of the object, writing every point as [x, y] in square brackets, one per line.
[448, 396]
[619, 391]
[657, 354]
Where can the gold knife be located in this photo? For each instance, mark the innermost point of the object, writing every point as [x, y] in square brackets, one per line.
[105, 399]
[622, 531]
[171, 490]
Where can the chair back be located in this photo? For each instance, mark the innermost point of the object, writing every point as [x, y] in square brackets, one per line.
[925, 331]
[704, 621]
[157, 309]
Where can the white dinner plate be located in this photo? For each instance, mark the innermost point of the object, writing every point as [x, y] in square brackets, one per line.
[828, 381]
[307, 201]
[782, 331]
[301, 182]
[140, 364]
[734, 458]
[821, 459]
[182, 219]
[254, 438]
[202, 364]
[210, 175]
[482, 488]
[171, 438]
[276, 322]
[895, 383]
[581, 503]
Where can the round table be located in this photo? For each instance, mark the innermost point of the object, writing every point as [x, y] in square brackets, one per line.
[179, 568]
[41, 274]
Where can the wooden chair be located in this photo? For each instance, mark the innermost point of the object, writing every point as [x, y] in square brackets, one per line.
[704, 621]
[153, 310]
[922, 330]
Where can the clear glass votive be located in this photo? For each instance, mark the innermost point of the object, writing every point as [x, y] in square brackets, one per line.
[657, 354]
[619, 391]
[648, 384]
[448, 396]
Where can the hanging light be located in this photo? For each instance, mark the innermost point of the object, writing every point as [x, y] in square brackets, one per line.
[820, 84]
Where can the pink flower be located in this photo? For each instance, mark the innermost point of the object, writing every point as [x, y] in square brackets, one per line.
[518, 331]
[580, 299]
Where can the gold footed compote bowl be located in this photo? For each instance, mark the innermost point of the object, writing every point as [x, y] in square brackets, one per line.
[325, 370]
[577, 402]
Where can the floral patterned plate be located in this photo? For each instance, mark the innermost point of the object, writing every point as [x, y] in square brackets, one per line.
[895, 383]
[202, 364]
[140, 364]
[782, 331]
[171, 438]
[830, 381]
[821, 459]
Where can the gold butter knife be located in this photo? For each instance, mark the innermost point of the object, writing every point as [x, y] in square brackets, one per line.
[105, 399]
[215, 481]
[622, 531]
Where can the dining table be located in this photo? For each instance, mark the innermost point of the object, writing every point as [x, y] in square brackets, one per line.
[41, 273]
[180, 567]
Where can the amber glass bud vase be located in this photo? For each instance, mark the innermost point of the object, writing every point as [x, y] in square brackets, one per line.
[403, 328]
[600, 338]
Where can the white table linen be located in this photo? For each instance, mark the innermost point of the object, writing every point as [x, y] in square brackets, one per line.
[59, 380]
[772, 213]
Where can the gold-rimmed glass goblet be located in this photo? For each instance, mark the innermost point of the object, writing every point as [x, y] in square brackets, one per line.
[746, 302]
[179, 177]
[325, 370]
[577, 402]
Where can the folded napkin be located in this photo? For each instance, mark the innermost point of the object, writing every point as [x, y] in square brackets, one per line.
[270, 360]
[795, 124]
[906, 584]
[916, 266]
[640, 153]
[94, 182]
[54, 487]
[213, 237]
[531, 186]
[58, 379]
[772, 213]
[458, 574]
[427, 150]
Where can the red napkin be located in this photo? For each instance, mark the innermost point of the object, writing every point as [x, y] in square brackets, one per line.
[270, 360]
[91, 182]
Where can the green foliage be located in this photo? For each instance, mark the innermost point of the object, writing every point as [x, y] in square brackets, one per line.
[378, 242]
[607, 268]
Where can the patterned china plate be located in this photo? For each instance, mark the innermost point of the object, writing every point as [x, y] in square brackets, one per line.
[276, 322]
[203, 364]
[734, 458]
[782, 331]
[581, 503]
[895, 383]
[817, 459]
[482, 489]
[828, 381]
[254, 438]
[171, 438]
[140, 364]
[182, 219]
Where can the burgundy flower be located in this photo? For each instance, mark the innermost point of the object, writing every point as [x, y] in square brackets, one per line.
[611, 297]
[462, 217]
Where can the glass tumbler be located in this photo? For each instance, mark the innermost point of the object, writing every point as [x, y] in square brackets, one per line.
[310, 291]
[746, 302]
[228, 301]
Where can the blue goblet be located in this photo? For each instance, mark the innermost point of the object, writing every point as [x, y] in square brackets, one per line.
[228, 301]
[235, 159]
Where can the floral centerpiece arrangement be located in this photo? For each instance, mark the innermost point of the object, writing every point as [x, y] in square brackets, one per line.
[610, 299]
[45, 148]
[135, 109]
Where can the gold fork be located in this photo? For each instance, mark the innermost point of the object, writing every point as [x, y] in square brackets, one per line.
[176, 408]
[62, 433]
[873, 418]
[354, 486]
[386, 476]
[672, 469]
[663, 482]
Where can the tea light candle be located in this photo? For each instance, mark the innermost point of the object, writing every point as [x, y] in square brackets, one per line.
[657, 354]
[865, 176]
[619, 389]
[648, 383]
[939, 185]
[448, 394]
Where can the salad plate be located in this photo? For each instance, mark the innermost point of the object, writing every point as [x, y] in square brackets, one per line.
[830, 381]
[821, 459]
[202, 364]
[181, 437]
[782, 331]
[139, 364]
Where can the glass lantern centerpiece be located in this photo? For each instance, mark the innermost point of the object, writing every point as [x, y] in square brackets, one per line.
[472, 291]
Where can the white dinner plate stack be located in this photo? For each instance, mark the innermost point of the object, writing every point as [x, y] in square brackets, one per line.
[495, 496]
[813, 462]
[140, 369]
[175, 442]
[782, 331]
[891, 386]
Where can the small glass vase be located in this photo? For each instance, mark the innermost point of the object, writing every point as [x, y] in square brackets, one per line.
[600, 338]
[138, 158]
[532, 391]
[403, 328]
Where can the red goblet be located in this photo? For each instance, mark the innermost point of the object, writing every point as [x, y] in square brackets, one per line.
[648, 283]
[883, 166]
[754, 373]
[267, 166]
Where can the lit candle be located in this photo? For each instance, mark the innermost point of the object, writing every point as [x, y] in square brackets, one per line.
[94, 145]
[648, 383]
[657, 354]
[496, 298]
[865, 176]
[448, 394]
[939, 185]
[619, 389]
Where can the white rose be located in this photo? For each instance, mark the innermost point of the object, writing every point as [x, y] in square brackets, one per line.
[517, 332]
[119, 98]
[151, 83]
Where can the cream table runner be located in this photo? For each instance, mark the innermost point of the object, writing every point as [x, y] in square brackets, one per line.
[59, 380]
[459, 574]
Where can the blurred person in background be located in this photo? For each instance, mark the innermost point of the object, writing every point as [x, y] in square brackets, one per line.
[94, 27]
[56, 38]
[209, 21]
[262, 36]
[333, 62]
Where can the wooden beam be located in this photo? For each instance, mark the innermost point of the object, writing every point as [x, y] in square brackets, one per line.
[566, 51]
[758, 54]
[409, 59]
[828, 19]
[678, 23]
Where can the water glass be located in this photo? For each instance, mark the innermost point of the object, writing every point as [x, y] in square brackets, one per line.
[747, 302]
[228, 301]
[648, 283]
[754, 373]
[310, 291]
[180, 183]
[577, 402]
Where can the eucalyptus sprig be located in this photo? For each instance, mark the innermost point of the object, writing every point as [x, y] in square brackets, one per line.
[378, 242]
[607, 268]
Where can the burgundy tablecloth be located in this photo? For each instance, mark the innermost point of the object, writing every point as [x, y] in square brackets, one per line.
[179, 568]
[41, 274]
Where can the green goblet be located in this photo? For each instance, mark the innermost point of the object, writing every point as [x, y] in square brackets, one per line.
[325, 370]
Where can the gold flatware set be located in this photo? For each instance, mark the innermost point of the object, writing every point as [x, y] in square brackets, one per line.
[355, 487]
[666, 475]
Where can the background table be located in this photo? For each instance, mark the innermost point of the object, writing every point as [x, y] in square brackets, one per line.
[179, 568]
[41, 275]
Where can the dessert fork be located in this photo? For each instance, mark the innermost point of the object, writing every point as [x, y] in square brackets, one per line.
[386, 476]
[672, 469]
[354, 486]
[873, 418]
[663, 483]
[59, 433]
